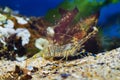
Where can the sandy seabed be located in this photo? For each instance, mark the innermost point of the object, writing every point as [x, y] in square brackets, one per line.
[105, 66]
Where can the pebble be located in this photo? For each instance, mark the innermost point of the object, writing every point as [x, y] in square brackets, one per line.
[65, 75]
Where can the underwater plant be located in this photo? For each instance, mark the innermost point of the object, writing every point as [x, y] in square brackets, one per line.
[86, 8]
[107, 33]
[68, 38]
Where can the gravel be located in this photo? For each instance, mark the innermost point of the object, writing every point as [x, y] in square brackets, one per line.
[105, 66]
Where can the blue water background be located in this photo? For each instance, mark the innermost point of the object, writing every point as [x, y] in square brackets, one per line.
[109, 20]
[31, 7]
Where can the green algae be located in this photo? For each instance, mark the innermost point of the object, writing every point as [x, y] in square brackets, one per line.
[85, 7]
